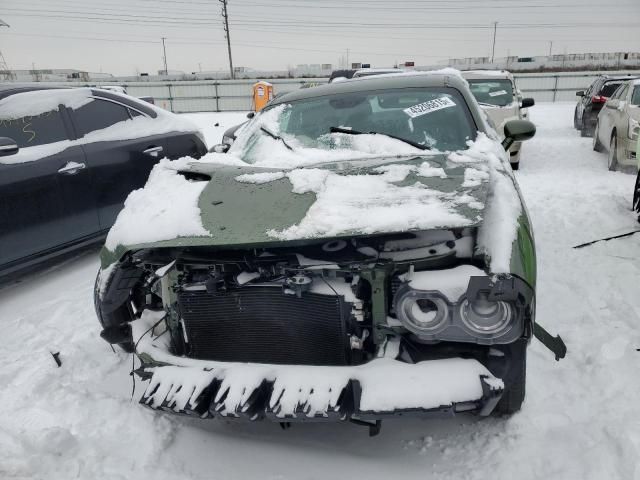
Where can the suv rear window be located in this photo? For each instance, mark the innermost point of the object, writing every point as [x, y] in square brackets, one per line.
[610, 87]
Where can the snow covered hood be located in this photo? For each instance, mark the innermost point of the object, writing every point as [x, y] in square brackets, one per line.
[247, 205]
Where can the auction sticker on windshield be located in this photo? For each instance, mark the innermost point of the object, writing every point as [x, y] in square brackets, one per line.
[429, 106]
[498, 93]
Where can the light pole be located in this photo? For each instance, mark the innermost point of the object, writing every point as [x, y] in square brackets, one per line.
[493, 48]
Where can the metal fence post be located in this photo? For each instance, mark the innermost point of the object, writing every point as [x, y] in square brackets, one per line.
[555, 88]
[215, 86]
[171, 99]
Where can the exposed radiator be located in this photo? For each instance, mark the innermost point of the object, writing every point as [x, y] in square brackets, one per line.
[261, 324]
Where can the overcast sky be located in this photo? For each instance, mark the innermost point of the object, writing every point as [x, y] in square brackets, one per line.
[123, 36]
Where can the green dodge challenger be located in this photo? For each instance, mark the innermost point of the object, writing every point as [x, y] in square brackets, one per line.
[362, 251]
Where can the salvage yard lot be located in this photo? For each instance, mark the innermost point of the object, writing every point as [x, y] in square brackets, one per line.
[580, 420]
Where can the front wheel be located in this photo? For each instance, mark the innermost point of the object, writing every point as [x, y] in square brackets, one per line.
[514, 380]
[636, 197]
[613, 154]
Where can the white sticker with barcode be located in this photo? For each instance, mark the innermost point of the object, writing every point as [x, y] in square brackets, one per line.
[498, 93]
[429, 106]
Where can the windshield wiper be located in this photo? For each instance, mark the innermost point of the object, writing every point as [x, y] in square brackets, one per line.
[276, 137]
[356, 132]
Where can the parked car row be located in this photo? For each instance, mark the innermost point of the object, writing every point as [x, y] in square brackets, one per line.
[68, 160]
[609, 111]
[618, 126]
[592, 100]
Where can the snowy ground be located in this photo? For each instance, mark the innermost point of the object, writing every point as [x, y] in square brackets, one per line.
[581, 418]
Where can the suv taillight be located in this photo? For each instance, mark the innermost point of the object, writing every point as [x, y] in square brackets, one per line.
[598, 99]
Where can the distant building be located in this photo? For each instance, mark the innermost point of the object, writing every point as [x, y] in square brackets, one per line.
[57, 75]
[568, 61]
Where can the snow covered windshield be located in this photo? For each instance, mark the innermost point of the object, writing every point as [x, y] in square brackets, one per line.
[492, 92]
[394, 121]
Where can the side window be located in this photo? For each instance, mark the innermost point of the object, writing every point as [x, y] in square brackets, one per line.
[29, 131]
[99, 114]
[134, 113]
[622, 95]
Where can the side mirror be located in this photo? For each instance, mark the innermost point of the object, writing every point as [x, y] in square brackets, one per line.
[527, 102]
[220, 148]
[580, 93]
[251, 114]
[517, 131]
[8, 146]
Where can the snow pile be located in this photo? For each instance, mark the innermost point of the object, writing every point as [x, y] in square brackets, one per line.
[452, 283]
[369, 204]
[486, 158]
[213, 125]
[30, 104]
[166, 208]
[426, 170]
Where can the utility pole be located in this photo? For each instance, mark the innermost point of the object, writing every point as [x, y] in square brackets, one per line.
[348, 65]
[164, 49]
[550, 48]
[225, 16]
[493, 48]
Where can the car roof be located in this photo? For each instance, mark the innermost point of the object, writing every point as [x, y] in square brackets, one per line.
[377, 82]
[7, 89]
[608, 78]
[477, 74]
[374, 71]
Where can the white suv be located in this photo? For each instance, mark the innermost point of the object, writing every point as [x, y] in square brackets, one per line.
[496, 92]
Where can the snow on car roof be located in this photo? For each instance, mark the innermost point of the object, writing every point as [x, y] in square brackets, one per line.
[432, 78]
[486, 73]
[37, 102]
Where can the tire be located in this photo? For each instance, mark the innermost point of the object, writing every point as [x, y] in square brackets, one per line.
[636, 197]
[612, 158]
[575, 119]
[515, 166]
[597, 146]
[514, 380]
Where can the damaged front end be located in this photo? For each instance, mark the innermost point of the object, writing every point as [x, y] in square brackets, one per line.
[356, 328]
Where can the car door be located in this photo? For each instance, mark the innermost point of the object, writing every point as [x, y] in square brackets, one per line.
[46, 198]
[620, 116]
[605, 118]
[119, 153]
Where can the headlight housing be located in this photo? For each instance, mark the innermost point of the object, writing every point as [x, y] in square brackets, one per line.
[485, 317]
[423, 313]
[478, 316]
[634, 129]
